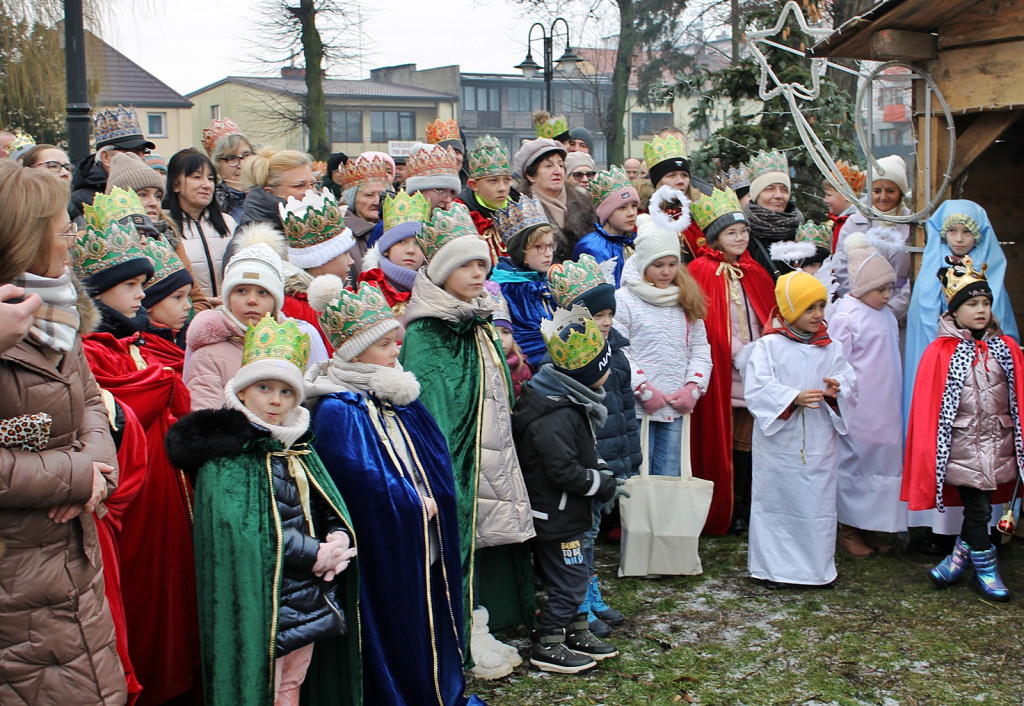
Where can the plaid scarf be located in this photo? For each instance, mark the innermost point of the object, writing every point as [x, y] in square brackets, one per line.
[57, 320]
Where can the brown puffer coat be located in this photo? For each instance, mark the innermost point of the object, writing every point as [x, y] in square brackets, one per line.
[981, 453]
[56, 631]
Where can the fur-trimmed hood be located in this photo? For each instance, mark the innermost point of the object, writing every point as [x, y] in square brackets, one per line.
[209, 434]
[88, 312]
[209, 327]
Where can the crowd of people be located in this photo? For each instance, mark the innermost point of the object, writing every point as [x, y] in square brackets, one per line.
[281, 432]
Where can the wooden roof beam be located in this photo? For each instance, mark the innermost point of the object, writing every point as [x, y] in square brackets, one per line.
[903, 45]
[979, 137]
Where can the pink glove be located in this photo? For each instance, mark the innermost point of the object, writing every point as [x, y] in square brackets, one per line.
[650, 397]
[685, 398]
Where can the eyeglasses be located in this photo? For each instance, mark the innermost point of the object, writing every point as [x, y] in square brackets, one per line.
[55, 167]
[71, 232]
[445, 193]
[304, 185]
[543, 248]
[235, 159]
[580, 176]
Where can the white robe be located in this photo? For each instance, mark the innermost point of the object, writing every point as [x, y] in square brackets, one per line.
[871, 454]
[793, 493]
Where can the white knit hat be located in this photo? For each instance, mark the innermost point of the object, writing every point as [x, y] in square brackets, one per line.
[257, 265]
[895, 171]
[266, 369]
[653, 243]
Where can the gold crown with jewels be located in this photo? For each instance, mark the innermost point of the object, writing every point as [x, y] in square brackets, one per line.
[269, 340]
[708, 209]
[444, 227]
[578, 349]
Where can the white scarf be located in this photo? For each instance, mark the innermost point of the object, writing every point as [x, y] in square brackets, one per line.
[392, 385]
[57, 320]
[667, 296]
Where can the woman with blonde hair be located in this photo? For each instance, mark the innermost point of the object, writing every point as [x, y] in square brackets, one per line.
[56, 473]
[271, 176]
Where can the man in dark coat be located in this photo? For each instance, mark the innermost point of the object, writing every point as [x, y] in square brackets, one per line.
[115, 131]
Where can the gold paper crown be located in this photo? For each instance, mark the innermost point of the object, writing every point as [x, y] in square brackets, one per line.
[269, 340]
[768, 162]
[98, 249]
[444, 227]
[354, 312]
[364, 170]
[402, 208]
[709, 209]
[853, 176]
[569, 280]
[605, 183]
[550, 126]
[956, 277]
[579, 349]
[432, 161]
[519, 215]
[315, 219]
[217, 130]
[488, 158]
[165, 260]
[441, 130]
[663, 148]
[21, 141]
[107, 208]
[819, 235]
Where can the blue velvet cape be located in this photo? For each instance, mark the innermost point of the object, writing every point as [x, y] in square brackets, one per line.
[529, 302]
[604, 247]
[411, 612]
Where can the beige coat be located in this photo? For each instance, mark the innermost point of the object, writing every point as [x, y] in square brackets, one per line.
[981, 453]
[56, 631]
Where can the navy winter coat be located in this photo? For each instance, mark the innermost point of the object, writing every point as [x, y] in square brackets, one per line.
[618, 441]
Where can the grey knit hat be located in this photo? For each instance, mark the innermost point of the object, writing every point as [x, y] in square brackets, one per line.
[128, 171]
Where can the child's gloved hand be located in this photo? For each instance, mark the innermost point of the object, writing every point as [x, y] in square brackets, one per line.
[685, 398]
[620, 492]
[651, 398]
[334, 556]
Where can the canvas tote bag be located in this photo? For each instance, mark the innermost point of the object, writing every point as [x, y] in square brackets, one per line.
[664, 515]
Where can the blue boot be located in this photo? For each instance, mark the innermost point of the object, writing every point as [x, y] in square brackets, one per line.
[950, 569]
[986, 578]
[597, 626]
[600, 608]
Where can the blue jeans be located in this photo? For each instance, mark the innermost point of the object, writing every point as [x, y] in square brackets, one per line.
[590, 536]
[663, 441]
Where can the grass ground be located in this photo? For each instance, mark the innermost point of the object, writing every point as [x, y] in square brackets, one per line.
[883, 635]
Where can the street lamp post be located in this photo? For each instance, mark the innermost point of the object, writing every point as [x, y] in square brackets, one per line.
[78, 109]
[566, 63]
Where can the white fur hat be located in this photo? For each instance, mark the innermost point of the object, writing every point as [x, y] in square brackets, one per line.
[653, 243]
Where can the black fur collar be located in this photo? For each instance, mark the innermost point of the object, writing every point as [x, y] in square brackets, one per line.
[208, 434]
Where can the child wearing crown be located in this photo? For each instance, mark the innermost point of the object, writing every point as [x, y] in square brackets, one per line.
[963, 437]
[451, 346]
[530, 242]
[554, 424]
[392, 263]
[669, 172]
[488, 189]
[797, 384]
[394, 465]
[611, 241]
[519, 370]
[272, 534]
[740, 297]
[618, 439]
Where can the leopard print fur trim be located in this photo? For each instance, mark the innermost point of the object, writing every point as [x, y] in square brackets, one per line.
[959, 364]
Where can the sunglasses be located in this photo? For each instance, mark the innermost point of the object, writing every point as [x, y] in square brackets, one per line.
[583, 175]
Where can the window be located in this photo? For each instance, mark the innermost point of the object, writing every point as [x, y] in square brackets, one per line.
[345, 126]
[889, 138]
[215, 111]
[576, 100]
[392, 125]
[485, 100]
[156, 124]
[469, 98]
[648, 124]
[525, 100]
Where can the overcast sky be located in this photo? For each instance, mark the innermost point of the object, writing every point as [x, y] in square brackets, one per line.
[191, 43]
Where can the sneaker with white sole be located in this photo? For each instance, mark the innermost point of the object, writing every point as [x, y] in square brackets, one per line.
[550, 654]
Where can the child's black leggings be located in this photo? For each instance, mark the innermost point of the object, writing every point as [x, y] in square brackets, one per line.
[977, 516]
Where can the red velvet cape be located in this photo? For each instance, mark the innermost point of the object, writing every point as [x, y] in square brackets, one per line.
[296, 305]
[159, 351]
[711, 423]
[919, 480]
[155, 543]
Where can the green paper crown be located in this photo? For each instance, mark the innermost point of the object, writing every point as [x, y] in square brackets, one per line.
[353, 313]
[402, 208]
[96, 250]
[579, 349]
[709, 209]
[108, 208]
[605, 183]
[570, 280]
[818, 235]
[444, 227]
[768, 162]
[269, 340]
[315, 219]
[165, 261]
[488, 158]
[519, 215]
[661, 148]
[552, 127]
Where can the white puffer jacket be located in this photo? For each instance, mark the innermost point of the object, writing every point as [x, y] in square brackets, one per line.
[665, 349]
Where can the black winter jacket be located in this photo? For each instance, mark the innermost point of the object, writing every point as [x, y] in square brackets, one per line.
[309, 608]
[559, 462]
[89, 179]
[618, 441]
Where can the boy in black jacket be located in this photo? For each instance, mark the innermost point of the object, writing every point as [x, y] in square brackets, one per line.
[553, 426]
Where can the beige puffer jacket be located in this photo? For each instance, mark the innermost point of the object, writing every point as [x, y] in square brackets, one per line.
[503, 508]
[56, 631]
[981, 451]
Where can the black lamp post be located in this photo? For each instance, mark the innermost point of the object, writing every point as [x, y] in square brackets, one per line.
[79, 121]
[566, 63]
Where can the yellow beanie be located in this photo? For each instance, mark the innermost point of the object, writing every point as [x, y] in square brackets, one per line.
[795, 292]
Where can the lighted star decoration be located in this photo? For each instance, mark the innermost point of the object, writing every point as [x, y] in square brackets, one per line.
[795, 89]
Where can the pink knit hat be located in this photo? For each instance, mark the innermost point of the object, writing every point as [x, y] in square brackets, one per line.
[868, 268]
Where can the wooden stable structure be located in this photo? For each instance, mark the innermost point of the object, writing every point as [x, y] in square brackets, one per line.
[974, 51]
